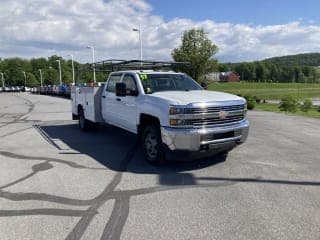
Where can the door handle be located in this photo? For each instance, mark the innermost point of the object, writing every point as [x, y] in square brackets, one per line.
[118, 99]
[104, 96]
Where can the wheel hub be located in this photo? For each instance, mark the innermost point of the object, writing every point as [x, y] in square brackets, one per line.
[151, 145]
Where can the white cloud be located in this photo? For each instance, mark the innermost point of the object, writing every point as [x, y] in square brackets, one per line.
[44, 27]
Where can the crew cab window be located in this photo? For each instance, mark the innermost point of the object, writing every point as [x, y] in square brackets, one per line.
[130, 83]
[115, 78]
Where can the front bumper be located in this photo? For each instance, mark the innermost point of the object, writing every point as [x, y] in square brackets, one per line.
[205, 138]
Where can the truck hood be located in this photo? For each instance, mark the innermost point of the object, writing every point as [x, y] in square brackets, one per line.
[196, 96]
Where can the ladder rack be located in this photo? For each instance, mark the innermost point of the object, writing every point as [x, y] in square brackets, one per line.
[112, 65]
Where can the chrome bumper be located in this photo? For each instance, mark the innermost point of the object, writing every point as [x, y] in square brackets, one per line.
[195, 139]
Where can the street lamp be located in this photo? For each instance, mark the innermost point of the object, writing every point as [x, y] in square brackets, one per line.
[2, 79]
[72, 68]
[93, 65]
[58, 60]
[40, 77]
[25, 78]
[140, 40]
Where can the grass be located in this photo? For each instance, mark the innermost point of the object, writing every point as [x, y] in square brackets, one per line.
[275, 108]
[273, 91]
[270, 91]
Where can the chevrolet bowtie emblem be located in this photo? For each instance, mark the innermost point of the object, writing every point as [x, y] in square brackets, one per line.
[223, 114]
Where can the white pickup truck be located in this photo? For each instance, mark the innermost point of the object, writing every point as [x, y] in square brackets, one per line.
[174, 117]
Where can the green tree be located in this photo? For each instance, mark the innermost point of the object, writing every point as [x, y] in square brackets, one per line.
[51, 76]
[32, 81]
[262, 72]
[299, 74]
[198, 50]
[223, 67]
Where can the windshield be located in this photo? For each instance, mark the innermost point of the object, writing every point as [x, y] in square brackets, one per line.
[167, 82]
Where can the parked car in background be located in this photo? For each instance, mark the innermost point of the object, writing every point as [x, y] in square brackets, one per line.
[68, 91]
[42, 90]
[49, 90]
[25, 89]
[63, 90]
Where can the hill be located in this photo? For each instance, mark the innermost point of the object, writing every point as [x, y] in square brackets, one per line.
[304, 59]
[301, 68]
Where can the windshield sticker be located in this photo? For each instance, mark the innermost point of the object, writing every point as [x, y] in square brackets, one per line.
[143, 76]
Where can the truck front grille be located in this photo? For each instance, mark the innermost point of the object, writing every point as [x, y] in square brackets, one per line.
[207, 121]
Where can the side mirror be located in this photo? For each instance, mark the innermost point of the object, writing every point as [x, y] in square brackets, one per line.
[121, 89]
[204, 85]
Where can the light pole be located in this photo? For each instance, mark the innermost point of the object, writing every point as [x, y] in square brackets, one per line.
[25, 78]
[140, 40]
[2, 79]
[93, 65]
[58, 60]
[40, 77]
[72, 68]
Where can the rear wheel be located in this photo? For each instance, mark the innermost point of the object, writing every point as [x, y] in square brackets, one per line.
[83, 122]
[152, 144]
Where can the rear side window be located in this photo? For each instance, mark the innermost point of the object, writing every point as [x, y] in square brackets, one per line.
[112, 82]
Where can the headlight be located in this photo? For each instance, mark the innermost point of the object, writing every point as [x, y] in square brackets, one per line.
[176, 110]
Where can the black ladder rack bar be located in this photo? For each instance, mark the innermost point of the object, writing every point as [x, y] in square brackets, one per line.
[111, 65]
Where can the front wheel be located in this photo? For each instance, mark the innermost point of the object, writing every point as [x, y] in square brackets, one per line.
[152, 144]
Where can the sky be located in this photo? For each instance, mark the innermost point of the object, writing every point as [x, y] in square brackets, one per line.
[243, 30]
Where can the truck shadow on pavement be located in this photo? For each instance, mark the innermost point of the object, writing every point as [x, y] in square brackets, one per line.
[108, 145]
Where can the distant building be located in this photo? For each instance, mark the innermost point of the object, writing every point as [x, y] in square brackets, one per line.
[222, 77]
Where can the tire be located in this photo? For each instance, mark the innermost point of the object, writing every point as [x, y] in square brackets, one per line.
[83, 122]
[152, 144]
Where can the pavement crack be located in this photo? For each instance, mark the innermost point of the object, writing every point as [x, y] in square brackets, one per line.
[49, 159]
[118, 219]
[42, 211]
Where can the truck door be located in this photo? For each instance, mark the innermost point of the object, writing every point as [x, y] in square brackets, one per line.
[109, 101]
[128, 105]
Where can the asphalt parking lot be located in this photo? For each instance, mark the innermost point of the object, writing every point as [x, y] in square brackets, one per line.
[57, 182]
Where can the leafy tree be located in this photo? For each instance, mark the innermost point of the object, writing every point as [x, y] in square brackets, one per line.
[32, 81]
[223, 67]
[299, 74]
[262, 72]
[50, 76]
[198, 50]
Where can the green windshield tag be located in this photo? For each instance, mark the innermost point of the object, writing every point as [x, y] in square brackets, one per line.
[143, 76]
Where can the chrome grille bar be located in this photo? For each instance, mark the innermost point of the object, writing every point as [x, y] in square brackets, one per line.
[213, 121]
[215, 109]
